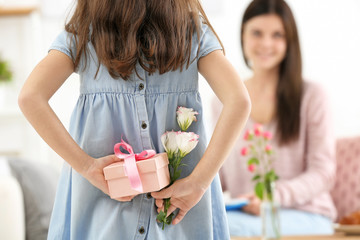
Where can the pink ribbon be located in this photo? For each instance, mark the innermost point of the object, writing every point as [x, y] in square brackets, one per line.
[130, 163]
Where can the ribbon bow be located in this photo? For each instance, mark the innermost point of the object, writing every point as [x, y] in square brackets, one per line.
[130, 163]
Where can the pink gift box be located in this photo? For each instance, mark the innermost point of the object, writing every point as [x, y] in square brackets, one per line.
[154, 175]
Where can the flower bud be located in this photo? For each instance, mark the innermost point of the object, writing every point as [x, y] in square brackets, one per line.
[258, 129]
[267, 135]
[248, 135]
[244, 151]
[185, 116]
[268, 149]
[251, 167]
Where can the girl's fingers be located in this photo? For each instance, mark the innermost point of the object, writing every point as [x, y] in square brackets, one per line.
[105, 161]
[160, 209]
[159, 203]
[181, 214]
[162, 194]
[170, 210]
[125, 199]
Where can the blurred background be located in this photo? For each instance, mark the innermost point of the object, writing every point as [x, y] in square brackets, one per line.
[329, 37]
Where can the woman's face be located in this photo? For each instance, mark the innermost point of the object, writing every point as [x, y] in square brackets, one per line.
[264, 42]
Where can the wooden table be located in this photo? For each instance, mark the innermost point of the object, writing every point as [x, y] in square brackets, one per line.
[336, 236]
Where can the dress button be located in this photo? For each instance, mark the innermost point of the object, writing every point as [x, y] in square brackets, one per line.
[148, 195]
[141, 86]
[141, 230]
[143, 125]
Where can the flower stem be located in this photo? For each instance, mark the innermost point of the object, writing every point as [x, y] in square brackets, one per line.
[162, 216]
[275, 220]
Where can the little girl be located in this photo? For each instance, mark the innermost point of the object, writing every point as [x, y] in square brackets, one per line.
[137, 61]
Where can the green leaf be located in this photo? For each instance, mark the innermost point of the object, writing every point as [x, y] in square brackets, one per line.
[5, 73]
[256, 177]
[168, 220]
[269, 152]
[271, 176]
[253, 161]
[161, 216]
[259, 190]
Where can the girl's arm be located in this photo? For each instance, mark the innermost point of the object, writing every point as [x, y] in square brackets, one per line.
[228, 87]
[231, 91]
[43, 82]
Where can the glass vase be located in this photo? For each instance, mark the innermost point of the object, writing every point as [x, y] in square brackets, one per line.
[270, 210]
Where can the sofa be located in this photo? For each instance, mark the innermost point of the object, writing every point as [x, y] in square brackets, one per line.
[27, 192]
[346, 191]
[12, 217]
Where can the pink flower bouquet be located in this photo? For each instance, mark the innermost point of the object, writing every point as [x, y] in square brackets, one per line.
[260, 161]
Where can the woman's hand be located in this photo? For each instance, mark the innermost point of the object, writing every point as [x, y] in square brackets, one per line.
[95, 175]
[184, 193]
[253, 207]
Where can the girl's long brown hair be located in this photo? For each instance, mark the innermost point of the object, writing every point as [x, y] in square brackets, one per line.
[290, 84]
[156, 34]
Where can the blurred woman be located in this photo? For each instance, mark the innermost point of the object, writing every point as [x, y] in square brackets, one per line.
[297, 113]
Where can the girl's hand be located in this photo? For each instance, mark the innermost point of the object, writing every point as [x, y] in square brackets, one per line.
[95, 175]
[184, 193]
[253, 207]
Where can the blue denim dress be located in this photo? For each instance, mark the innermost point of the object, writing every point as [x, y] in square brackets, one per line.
[139, 111]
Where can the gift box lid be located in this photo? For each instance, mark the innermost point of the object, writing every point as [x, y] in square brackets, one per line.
[116, 170]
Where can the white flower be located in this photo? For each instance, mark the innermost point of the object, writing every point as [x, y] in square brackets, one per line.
[186, 142]
[185, 116]
[168, 140]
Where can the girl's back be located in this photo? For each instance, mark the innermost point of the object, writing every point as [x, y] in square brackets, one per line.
[139, 110]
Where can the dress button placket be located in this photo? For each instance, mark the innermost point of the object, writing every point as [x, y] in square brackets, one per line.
[140, 101]
[148, 195]
[141, 230]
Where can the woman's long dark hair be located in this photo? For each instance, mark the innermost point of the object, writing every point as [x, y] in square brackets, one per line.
[290, 84]
[156, 34]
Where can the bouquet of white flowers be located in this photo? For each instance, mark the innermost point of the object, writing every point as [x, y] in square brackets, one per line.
[177, 145]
